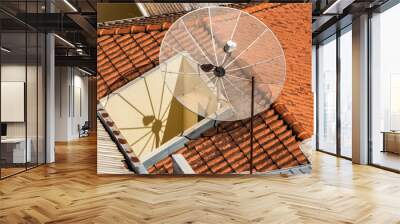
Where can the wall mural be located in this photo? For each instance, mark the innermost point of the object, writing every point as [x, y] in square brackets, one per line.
[213, 90]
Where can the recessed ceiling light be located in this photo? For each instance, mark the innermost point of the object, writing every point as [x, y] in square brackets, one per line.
[5, 50]
[70, 5]
[64, 40]
[337, 7]
[84, 71]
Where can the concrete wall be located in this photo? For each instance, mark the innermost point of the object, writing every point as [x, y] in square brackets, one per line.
[71, 102]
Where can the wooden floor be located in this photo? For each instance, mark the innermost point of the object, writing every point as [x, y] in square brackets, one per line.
[10, 171]
[69, 191]
[387, 159]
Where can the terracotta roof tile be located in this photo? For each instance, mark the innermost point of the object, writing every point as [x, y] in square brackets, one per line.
[165, 18]
[226, 148]
[126, 53]
[128, 49]
[137, 42]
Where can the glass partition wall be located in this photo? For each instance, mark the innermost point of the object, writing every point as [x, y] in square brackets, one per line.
[345, 92]
[327, 95]
[385, 89]
[334, 93]
[22, 77]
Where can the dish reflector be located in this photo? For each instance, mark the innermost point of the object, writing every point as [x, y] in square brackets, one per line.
[220, 49]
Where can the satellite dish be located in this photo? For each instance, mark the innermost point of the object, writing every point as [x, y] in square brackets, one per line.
[221, 50]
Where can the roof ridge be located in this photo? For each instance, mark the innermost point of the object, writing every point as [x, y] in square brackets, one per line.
[108, 28]
[262, 6]
[113, 23]
[131, 159]
[131, 29]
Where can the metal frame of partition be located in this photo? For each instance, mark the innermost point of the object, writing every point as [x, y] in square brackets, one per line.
[43, 95]
[338, 152]
[0, 89]
[389, 4]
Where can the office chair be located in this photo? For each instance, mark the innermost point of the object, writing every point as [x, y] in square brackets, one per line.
[84, 130]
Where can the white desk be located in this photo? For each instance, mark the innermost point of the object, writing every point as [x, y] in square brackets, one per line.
[18, 149]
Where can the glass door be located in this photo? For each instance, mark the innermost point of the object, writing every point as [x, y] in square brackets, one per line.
[22, 91]
[345, 92]
[14, 70]
[327, 96]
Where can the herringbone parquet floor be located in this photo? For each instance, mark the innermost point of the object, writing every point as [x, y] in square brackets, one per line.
[69, 191]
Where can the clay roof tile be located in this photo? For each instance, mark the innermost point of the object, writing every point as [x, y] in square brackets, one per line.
[227, 150]
[137, 29]
[277, 132]
[155, 27]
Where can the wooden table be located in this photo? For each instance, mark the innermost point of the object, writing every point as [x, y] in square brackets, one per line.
[391, 141]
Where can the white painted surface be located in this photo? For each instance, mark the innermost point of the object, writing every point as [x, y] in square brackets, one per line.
[181, 165]
[50, 80]
[71, 102]
[12, 101]
[18, 146]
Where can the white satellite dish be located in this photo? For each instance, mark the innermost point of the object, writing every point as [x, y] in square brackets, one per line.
[232, 64]
[222, 49]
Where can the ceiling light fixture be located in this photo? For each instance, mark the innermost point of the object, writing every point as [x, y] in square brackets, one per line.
[5, 50]
[337, 7]
[84, 71]
[70, 5]
[64, 40]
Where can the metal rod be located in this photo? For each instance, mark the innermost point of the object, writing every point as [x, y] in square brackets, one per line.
[233, 33]
[369, 87]
[247, 48]
[0, 95]
[338, 98]
[230, 82]
[194, 40]
[26, 89]
[212, 37]
[255, 64]
[251, 124]
[183, 55]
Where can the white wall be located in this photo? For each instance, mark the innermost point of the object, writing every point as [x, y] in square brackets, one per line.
[33, 127]
[61, 103]
[15, 72]
[70, 83]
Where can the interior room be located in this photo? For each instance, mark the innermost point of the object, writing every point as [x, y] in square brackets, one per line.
[23, 99]
[385, 106]
[39, 108]
[334, 56]
[72, 103]
[100, 121]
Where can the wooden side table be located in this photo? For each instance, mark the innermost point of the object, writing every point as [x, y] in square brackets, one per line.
[391, 141]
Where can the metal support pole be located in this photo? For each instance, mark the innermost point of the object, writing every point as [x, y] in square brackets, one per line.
[251, 125]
